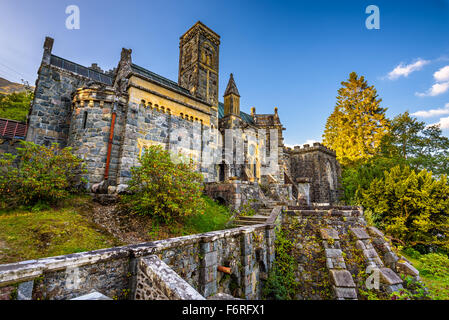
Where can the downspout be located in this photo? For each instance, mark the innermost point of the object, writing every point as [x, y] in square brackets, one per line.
[111, 137]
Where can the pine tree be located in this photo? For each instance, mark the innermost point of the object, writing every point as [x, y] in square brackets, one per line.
[355, 128]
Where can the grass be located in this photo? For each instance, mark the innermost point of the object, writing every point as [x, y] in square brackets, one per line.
[215, 217]
[30, 234]
[43, 231]
[438, 286]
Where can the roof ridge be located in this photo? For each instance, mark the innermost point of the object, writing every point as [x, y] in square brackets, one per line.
[156, 74]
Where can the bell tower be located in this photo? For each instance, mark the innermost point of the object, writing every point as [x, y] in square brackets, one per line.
[198, 63]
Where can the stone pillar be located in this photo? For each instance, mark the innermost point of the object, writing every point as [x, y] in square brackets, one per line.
[270, 237]
[208, 267]
[246, 247]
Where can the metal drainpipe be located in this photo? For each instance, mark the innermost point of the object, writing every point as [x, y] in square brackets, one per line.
[111, 137]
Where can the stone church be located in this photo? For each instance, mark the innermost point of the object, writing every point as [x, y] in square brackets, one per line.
[109, 118]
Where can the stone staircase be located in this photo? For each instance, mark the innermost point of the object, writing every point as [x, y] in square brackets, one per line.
[336, 223]
[262, 216]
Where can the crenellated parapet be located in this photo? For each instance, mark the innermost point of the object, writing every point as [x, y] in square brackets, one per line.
[308, 148]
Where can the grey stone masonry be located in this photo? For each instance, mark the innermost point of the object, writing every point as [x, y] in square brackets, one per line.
[157, 281]
[342, 283]
[116, 272]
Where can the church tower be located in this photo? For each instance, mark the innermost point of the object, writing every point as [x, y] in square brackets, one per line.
[198, 63]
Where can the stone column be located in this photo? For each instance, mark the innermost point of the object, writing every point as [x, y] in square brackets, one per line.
[246, 248]
[208, 267]
[270, 237]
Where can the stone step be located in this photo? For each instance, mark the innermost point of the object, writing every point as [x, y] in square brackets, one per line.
[265, 212]
[253, 218]
[247, 222]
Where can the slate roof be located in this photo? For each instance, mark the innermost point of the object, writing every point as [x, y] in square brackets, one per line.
[159, 79]
[81, 70]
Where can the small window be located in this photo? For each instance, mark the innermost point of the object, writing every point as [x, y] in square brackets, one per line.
[84, 119]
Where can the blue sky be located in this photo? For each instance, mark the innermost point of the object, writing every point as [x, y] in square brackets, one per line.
[286, 54]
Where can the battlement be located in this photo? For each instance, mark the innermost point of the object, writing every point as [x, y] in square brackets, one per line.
[317, 146]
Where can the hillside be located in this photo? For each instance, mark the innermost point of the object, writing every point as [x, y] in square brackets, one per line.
[7, 87]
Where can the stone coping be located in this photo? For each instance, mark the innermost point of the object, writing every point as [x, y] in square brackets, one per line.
[30, 269]
[323, 213]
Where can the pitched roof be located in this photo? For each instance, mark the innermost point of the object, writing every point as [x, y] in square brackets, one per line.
[81, 70]
[159, 79]
[231, 88]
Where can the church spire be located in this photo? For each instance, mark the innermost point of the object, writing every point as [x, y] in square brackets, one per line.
[231, 98]
[231, 87]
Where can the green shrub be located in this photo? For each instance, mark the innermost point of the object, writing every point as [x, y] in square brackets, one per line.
[412, 253]
[38, 174]
[413, 208]
[162, 188]
[281, 283]
[435, 264]
[15, 106]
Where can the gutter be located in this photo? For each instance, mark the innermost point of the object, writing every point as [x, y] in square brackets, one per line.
[111, 138]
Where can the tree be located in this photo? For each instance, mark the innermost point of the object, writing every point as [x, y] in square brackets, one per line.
[162, 188]
[358, 123]
[412, 207]
[420, 146]
[15, 106]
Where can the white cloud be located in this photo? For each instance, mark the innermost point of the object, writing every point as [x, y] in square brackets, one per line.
[435, 90]
[310, 142]
[442, 74]
[403, 70]
[432, 113]
[443, 123]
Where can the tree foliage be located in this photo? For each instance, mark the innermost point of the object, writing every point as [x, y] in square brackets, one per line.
[163, 188]
[420, 146]
[408, 143]
[15, 106]
[38, 174]
[412, 207]
[358, 123]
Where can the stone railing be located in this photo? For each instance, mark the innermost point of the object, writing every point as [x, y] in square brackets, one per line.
[248, 252]
[157, 281]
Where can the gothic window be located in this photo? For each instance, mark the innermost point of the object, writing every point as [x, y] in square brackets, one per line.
[208, 55]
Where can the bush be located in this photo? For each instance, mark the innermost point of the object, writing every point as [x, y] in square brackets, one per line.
[435, 264]
[38, 174]
[413, 208]
[281, 283]
[15, 106]
[162, 188]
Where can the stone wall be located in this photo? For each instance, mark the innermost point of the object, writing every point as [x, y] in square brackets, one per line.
[236, 193]
[157, 281]
[320, 166]
[49, 120]
[146, 126]
[248, 251]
